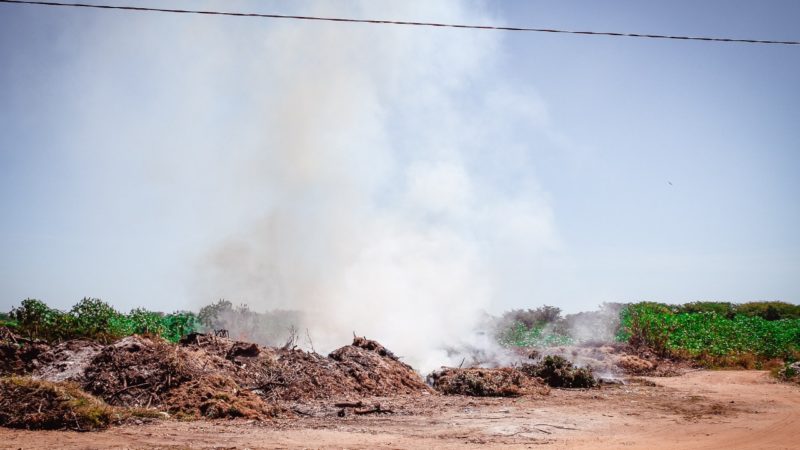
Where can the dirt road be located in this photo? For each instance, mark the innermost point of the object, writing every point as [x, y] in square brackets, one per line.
[699, 410]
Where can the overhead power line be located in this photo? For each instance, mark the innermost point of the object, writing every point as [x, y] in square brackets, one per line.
[407, 23]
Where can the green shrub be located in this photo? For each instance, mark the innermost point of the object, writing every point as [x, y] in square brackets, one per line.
[722, 308]
[519, 335]
[94, 319]
[708, 335]
[142, 321]
[179, 324]
[36, 320]
[769, 310]
[531, 318]
[97, 319]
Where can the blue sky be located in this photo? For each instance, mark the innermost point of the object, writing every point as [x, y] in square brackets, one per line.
[624, 169]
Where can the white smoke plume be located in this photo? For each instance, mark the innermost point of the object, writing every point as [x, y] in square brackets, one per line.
[365, 175]
[378, 178]
[396, 205]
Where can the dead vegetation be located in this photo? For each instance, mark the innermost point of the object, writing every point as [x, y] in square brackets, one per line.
[477, 382]
[81, 384]
[560, 373]
[137, 372]
[43, 405]
[18, 355]
[207, 376]
[217, 397]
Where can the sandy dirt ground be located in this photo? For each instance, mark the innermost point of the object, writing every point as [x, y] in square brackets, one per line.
[698, 410]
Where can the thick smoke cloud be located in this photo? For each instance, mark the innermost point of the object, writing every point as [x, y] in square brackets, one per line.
[396, 204]
[377, 178]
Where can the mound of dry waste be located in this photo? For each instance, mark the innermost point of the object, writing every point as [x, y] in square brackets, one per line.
[560, 373]
[478, 382]
[364, 368]
[212, 377]
[42, 405]
[66, 361]
[18, 355]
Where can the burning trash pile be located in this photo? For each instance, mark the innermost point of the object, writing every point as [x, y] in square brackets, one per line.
[87, 385]
[201, 377]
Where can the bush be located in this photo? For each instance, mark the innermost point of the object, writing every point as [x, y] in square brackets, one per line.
[97, 319]
[178, 324]
[94, 319]
[709, 336]
[142, 321]
[518, 335]
[36, 320]
[560, 373]
[769, 310]
[722, 308]
[210, 314]
[531, 318]
[7, 320]
[646, 324]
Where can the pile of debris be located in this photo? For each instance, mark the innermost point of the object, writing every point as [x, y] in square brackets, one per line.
[500, 382]
[66, 361]
[613, 360]
[36, 404]
[560, 373]
[210, 376]
[364, 368]
[18, 355]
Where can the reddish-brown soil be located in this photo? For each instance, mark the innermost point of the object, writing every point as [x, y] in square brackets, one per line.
[699, 410]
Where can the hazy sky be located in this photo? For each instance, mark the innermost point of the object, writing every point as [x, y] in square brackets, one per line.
[132, 154]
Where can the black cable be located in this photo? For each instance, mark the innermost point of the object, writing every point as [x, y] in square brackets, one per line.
[398, 22]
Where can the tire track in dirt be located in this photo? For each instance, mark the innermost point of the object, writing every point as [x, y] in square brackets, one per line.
[770, 417]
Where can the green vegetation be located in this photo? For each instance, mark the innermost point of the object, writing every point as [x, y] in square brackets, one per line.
[7, 321]
[715, 334]
[765, 310]
[92, 318]
[540, 327]
[270, 327]
[538, 335]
